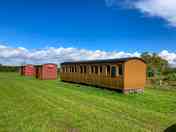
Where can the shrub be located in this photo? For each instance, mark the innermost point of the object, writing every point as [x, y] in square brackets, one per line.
[171, 77]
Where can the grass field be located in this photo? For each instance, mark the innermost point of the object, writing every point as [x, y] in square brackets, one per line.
[30, 105]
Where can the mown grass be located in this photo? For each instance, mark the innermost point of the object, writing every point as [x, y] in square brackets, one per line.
[30, 105]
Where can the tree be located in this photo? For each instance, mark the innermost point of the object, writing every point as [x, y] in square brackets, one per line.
[155, 64]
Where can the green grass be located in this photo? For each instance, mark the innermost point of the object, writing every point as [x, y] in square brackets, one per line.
[30, 105]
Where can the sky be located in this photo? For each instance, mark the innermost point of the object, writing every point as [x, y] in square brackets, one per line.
[43, 31]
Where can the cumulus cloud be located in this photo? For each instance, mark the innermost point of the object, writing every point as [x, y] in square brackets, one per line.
[20, 55]
[165, 9]
[169, 56]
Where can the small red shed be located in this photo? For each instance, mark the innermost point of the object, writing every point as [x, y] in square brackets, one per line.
[27, 70]
[46, 71]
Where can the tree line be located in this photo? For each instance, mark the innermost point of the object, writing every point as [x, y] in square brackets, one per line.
[9, 68]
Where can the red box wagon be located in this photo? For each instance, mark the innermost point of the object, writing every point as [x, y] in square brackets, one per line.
[46, 71]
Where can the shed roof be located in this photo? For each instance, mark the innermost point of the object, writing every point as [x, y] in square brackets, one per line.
[45, 64]
[117, 60]
[26, 65]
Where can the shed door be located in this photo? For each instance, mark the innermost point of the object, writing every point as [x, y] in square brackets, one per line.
[37, 72]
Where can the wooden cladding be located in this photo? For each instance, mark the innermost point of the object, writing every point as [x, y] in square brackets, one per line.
[105, 75]
[128, 74]
[106, 69]
[27, 70]
[46, 72]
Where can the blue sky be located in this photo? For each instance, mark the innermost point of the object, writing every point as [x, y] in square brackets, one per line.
[90, 24]
[107, 25]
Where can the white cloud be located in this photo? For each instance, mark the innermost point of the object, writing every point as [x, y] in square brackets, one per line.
[169, 56]
[20, 55]
[17, 56]
[165, 9]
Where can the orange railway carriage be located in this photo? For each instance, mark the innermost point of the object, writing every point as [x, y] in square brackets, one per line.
[125, 74]
[27, 70]
[46, 72]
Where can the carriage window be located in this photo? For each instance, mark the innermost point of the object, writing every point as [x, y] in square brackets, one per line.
[120, 70]
[92, 69]
[81, 69]
[72, 69]
[101, 69]
[113, 71]
[108, 70]
[96, 69]
[85, 70]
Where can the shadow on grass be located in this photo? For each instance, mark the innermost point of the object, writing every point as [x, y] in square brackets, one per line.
[171, 128]
[95, 86]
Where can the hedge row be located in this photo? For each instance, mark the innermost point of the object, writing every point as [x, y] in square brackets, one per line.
[9, 69]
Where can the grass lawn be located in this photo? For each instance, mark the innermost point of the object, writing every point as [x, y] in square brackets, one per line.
[30, 105]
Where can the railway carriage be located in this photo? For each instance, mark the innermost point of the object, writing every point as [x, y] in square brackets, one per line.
[125, 74]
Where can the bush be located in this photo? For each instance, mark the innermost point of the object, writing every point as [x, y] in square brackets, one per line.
[171, 77]
[9, 68]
